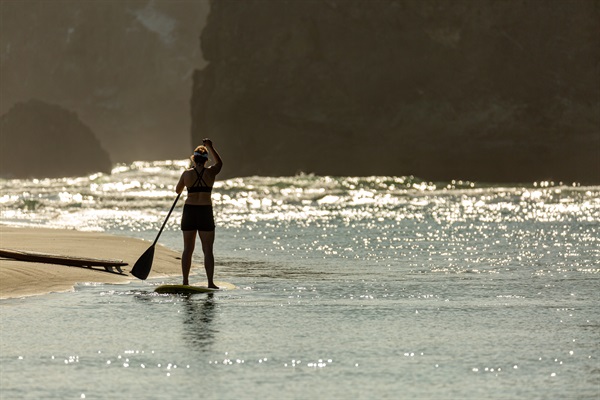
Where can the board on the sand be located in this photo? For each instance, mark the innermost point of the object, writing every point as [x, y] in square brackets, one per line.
[184, 289]
[107, 264]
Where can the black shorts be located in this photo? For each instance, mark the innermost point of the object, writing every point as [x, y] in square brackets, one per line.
[197, 218]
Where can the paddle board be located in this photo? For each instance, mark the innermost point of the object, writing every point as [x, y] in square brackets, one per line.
[71, 261]
[184, 289]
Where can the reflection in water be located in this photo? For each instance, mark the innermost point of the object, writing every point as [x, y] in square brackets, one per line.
[198, 323]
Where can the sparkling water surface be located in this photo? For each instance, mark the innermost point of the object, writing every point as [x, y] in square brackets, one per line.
[375, 287]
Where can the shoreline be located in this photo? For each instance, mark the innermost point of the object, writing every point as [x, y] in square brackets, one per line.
[23, 279]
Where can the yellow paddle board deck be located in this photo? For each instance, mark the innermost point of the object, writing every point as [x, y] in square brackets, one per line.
[192, 289]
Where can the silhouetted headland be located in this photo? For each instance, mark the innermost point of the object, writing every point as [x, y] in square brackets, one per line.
[41, 140]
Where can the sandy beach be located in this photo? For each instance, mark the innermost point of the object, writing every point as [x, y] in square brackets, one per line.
[19, 278]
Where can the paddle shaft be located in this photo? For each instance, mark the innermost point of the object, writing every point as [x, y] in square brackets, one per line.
[166, 219]
[143, 265]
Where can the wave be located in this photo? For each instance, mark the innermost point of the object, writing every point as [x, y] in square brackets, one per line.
[137, 195]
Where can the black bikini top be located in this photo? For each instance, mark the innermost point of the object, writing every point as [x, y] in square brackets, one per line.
[202, 186]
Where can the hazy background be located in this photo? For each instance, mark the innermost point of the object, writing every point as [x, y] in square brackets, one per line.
[486, 90]
[124, 66]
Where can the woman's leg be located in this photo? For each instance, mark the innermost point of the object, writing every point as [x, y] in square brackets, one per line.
[189, 242]
[208, 239]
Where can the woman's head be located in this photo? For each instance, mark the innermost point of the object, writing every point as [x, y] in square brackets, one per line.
[200, 155]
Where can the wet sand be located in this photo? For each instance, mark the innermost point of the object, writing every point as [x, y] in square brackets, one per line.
[20, 278]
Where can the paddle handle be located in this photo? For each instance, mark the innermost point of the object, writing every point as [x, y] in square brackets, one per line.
[166, 219]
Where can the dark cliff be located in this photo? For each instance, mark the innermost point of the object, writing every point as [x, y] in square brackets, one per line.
[41, 140]
[470, 89]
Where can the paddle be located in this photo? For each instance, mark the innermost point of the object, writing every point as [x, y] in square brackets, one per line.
[143, 265]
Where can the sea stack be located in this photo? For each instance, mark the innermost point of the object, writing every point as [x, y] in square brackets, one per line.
[41, 140]
[478, 90]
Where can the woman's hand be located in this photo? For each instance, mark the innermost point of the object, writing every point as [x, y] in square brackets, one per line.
[180, 185]
[216, 167]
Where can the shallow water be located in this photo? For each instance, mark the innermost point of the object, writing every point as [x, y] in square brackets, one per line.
[418, 335]
[372, 287]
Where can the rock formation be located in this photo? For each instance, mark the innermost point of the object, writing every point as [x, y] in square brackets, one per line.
[484, 90]
[41, 140]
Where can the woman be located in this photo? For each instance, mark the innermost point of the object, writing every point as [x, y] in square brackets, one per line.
[197, 211]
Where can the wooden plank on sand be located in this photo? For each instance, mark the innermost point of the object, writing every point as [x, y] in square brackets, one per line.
[31, 256]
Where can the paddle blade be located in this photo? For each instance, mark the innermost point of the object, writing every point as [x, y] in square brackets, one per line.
[142, 267]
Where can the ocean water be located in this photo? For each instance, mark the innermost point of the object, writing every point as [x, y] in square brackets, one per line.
[346, 287]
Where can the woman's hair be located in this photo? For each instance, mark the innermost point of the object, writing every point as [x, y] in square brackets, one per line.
[200, 155]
